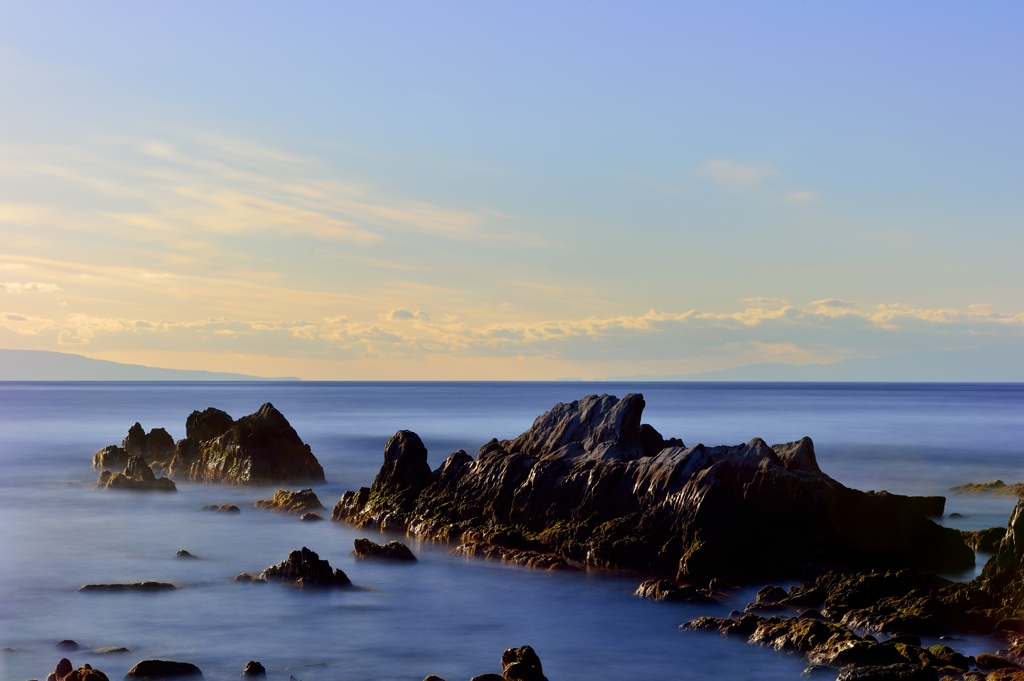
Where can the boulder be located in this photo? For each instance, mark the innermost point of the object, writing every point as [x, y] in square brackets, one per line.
[182, 553]
[256, 449]
[158, 670]
[65, 672]
[67, 644]
[585, 485]
[521, 664]
[304, 568]
[310, 517]
[254, 670]
[137, 476]
[285, 501]
[110, 458]
[228, 508]
[155, 447]
[393, 550]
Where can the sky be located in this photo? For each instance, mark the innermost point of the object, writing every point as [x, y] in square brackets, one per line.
[511, 190]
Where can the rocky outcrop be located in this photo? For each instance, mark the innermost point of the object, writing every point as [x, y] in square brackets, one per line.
[665, 590]
[135, 586]
[157, 446]
[393, 550]
[518, 664]
[256, 449]
[64, 671]
[984, 541]
[285, 501]
[590, 484]
[137, 476]
[303, 568]
[158, 670]
[254, 670]
[110, 458]
[994, 487]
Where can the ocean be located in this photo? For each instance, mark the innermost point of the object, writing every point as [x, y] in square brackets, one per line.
[444, 615]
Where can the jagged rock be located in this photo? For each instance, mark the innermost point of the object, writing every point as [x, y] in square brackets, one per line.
[524, 558]
[254, 670]
[228, 508]
[182, 553]
[521, 664]
[304, 568]
[433, 677]
[137, 476]
[990, 662]
[393, 550]
[310, 517]
[285, 501]
[157, 446]
[984, 541]
[111, 650]
[489, 676]
[665, 590]
[158, 670]
[585, 485]
[994, 487]
[895, 672]
[65, 672]
[256, 449]
[111, 458]
[136, 586]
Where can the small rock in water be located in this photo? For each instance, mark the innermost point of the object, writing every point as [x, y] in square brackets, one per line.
[182, 553]
[137, 586]
[311, 516]
[67, 644]
[210, 507]
[157, 670]
[111, 650]
[8, 650]
[521, 664]
[292, 678]
[490, 676]
[228, 508]
[63, 667]
[286, 501]
[433, 677]
[304, 568]
[393, 550]
[254, 669]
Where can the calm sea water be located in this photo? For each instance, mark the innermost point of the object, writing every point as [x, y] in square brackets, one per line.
[443, 615]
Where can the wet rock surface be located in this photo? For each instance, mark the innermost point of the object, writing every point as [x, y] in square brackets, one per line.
[285, 501]
[135, 586]
[137, 476]
[157, 670]
[64, 671]
[254, 670]
[666, 590]
[303, 568]
[589, 484]
[393, 550]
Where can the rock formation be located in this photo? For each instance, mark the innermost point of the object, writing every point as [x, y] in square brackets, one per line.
[256, 449]
[135, 586]
[285, 501]
[137, 476]
[393, 550]
[301, 568]
[254, 670]
[64, 671]
[158, 670]
[994, 487]
[590, 484]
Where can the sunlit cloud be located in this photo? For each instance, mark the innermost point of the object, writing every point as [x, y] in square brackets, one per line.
[18, 287]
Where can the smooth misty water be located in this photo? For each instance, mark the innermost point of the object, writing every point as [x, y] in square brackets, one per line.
[443, 615]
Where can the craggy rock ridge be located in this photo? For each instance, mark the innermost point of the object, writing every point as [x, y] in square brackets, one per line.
[393, 550]
[135, 586]
[285, 501]
[301, 568]
[137, 476]
[256, 449]
[589, 484]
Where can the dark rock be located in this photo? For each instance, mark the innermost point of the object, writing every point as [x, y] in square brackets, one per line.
[311, 517]
[581, 485]
[137, 476]
[67, 644]
[156, 670]
[304, 568]
[137, 586]
[811, 614]
[111, 650]
[285, 501]
[110, 458]
[246, 577]
[64, 667]
[908, 639]
[665, 590]
[393, 550]
[991, 662]
[256, 449]
[521, 664]
[83, 673]
[818, 671]
[771, 594]
[228, 508]
[894, 672]
[433, 677]
[984, 541]
[254, 669]
[182, 553]
[489, 676]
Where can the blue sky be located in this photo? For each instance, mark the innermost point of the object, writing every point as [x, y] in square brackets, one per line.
[510, 191]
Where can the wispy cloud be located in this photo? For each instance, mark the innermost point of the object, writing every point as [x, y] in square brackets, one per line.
[19, 287]
[799, 196]
[737, 174]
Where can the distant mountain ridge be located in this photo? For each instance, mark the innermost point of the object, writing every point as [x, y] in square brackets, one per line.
[43, 365]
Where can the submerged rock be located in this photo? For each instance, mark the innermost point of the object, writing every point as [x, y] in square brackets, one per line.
[67, 644]
[137, 586]
[158, 670]
[310, 517]
[137, 476]
[254, 670]
[256, 449]
[393, 550]
[665, 590]
[304, 568]
[590, 484]
[285, 501]
[182, 553]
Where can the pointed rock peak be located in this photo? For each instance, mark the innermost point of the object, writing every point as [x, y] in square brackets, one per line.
[405, 463]
[208, 424]
[798, 456]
